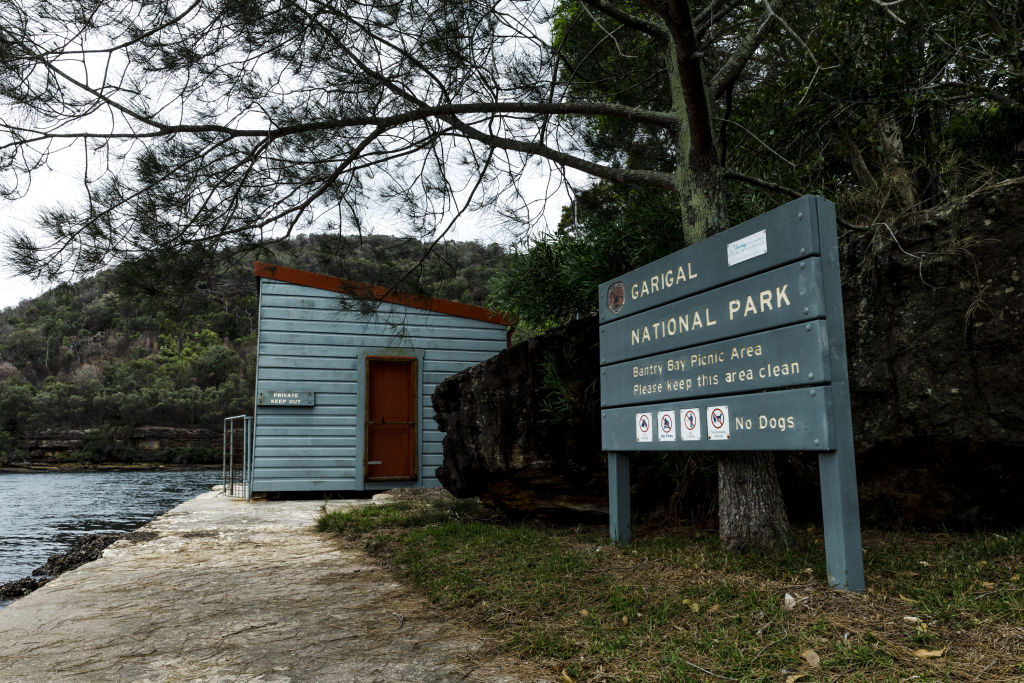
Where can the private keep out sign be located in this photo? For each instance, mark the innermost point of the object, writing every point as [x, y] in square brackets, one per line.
[736, 344]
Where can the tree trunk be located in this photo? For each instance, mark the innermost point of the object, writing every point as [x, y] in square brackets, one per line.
[750, 507]
[751, 513]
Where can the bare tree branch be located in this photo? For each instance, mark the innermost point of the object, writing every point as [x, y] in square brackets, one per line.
[740, 56]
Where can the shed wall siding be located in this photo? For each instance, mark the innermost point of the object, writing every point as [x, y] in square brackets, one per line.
[309, 342]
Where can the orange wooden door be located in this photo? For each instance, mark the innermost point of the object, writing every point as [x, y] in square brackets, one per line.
[390, 418]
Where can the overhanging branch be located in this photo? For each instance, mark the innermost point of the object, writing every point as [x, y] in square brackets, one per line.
[627, 19]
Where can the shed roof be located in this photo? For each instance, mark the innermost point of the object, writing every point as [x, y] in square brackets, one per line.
[366, 291]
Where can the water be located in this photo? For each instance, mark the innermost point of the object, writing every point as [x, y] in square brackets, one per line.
[42, 514]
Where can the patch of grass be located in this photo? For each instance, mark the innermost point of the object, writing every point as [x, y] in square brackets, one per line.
[416, 512]
[674, 606]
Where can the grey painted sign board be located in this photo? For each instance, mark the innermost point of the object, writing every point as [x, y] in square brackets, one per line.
[787, 420]
[763, 280]
[779, 297]
[285, 399]
[789, 356]
[785, 234]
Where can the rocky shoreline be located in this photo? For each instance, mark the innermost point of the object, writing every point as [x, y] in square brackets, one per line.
[85, 549]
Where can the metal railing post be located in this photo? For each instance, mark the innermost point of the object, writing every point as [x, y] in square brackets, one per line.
[245, 456]
[251, 430]
[224, 458]
[246, 463]
[231, 461]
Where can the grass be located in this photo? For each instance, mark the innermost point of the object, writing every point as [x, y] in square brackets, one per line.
[674, 606]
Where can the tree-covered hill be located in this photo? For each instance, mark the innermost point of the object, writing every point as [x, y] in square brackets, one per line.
[173, 344]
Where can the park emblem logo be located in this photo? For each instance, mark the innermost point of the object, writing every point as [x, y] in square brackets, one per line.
[616, 296]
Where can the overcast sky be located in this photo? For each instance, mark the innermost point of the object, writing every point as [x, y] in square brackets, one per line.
[55, 186]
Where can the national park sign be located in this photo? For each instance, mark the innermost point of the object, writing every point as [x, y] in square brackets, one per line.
[736, 344]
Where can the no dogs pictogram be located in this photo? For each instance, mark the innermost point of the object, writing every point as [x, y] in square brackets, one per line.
[718, 423]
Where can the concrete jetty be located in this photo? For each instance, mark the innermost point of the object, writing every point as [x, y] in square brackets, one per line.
[227, 590]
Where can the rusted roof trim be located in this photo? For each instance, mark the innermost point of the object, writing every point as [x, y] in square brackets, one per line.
[365, 291]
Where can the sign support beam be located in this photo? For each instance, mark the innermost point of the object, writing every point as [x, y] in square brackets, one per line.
[618, 498]
[840, 506]
[844, 558]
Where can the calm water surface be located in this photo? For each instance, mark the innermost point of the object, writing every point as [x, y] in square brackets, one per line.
[41, 514]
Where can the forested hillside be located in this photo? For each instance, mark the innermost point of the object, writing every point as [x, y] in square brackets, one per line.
[128, 348]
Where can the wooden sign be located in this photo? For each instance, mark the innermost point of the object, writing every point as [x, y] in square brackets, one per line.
[795, 355]
[737, 253]
[789, 420]
[779, 297]
[736, 344]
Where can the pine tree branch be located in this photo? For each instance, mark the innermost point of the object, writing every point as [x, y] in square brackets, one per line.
[623, 17]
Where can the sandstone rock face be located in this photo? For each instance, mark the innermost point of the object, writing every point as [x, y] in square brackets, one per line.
[935, 332]
[522, 428]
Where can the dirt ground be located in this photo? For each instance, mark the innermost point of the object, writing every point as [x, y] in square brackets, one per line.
[234, 591]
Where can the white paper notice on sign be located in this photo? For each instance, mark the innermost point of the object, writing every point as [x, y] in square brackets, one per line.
[689, 424]
[747, 248]
[718, 423]
[667, 425]
[644, 428]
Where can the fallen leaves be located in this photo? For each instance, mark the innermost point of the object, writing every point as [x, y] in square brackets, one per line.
[790, 601]
[930, 654]
[811, 657]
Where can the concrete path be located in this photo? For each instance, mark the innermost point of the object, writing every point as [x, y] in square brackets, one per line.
[233, 591]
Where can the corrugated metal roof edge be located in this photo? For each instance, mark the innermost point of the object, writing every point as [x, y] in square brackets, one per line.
[366, 291]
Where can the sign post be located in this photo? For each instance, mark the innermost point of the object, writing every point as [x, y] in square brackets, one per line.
[733, 344]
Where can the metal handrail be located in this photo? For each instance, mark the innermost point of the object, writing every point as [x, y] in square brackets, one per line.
[245, 471]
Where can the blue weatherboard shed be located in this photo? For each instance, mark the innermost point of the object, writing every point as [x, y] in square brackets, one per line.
[343, 388]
